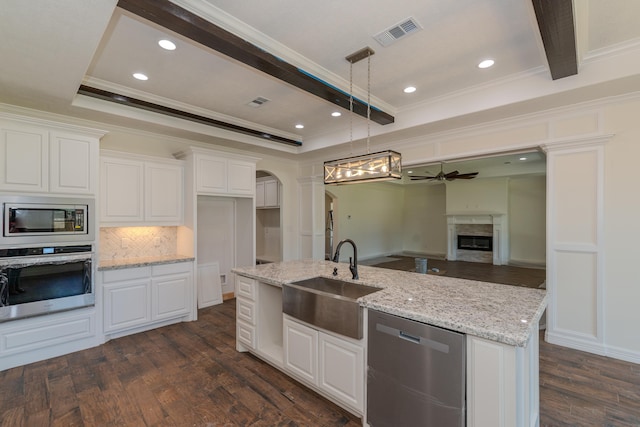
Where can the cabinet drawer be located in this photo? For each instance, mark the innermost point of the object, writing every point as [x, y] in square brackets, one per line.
[246, 288]
[246, 311]
[246, 334]
[123, 274]
[172, 268]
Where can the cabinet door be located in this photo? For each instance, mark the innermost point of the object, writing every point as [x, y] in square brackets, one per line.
[163, 193]
[170, 296]
[271, 193]
[260, 194]
[121, 190]
[127, 304]
[211, 175]
[242, 178]
[73, 163]
[24, 158]
[341, 370]
[301, 350]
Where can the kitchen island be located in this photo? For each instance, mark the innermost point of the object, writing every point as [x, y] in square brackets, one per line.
[500, 323]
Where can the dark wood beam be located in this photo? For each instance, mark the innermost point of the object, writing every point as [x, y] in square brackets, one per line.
[191, 26]
[156, 108]
[555, 21]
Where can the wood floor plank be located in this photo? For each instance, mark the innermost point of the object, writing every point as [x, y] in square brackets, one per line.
[190, 374]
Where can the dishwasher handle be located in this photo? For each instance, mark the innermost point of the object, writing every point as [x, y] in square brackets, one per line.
[435, 345]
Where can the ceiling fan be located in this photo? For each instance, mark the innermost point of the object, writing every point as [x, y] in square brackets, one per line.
[449, 176]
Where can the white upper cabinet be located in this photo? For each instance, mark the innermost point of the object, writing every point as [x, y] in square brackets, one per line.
[140, 190]
[211, 175]
[163, 192]
[40, 159]
[267, 193]
[217, 173]
[121, 190]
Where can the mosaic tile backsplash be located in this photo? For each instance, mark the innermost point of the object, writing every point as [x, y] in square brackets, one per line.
[134, 242]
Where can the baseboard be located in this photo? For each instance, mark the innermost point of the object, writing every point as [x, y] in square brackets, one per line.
[228, 295]
[527, 264]
[593, 347]
[440, 256]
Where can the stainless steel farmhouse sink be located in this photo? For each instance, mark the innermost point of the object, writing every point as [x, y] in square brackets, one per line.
[327, 303]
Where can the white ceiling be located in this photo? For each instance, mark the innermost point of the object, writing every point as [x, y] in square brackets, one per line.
[52, 46]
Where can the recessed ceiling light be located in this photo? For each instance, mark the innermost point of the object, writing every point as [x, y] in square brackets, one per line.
[336, 114]
[523, 158]
[299, 126]
[409, 171]
[409, 89]
[167, 44]
[486, 63]
[140, 76]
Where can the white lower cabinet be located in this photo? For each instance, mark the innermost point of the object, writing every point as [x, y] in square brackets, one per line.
[331, 363]
[341, 369]
[246, 301]
[142, 298]
[301, 350]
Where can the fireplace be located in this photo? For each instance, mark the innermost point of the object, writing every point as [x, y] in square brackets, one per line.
[480, 237]
[475, 243]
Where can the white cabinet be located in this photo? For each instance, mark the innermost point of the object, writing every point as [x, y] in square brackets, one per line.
[333, 364]
[267, 193]
[127, 298]
[502, 383]
[135, 191]
[246, 302]
[341, 369]
[142, 298]
[163, 184]
[217, 174]
[44, 160]
[301, 350]
[121, 190]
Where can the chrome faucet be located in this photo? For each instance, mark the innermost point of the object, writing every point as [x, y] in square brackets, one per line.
[353, 264]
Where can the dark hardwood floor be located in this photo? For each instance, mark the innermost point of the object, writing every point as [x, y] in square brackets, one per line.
[189, 374]
[505, 274]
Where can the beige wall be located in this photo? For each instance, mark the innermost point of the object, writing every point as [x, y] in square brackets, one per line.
[477, 196]
[527, 220]
[371, 215]
[425, 223]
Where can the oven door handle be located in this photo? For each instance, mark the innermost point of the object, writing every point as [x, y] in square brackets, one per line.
[19, 262]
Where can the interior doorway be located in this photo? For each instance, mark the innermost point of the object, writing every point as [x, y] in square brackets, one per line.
[331, 224]
[268, 218]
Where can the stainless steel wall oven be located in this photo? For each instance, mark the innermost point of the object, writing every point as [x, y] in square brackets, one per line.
[41, 280]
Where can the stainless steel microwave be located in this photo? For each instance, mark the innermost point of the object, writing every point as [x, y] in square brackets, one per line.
[45, 220]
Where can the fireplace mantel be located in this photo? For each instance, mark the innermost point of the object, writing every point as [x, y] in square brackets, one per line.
[500, 233]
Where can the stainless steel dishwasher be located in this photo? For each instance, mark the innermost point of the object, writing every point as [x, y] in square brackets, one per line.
[416, 374]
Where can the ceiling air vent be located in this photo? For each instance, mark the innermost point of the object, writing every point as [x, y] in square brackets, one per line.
[398, 31]
[258, 102]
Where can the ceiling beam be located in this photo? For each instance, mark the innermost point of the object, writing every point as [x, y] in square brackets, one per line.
[555, 21]
[161, 109]
[193, 27]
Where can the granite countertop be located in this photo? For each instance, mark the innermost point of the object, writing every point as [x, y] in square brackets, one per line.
[116, 264]
[502, 313]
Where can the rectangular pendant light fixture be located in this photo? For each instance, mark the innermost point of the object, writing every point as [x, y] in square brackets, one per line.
[380, 166]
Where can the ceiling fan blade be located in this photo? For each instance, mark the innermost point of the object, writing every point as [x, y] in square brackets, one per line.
[417, 177]
[466, 175]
